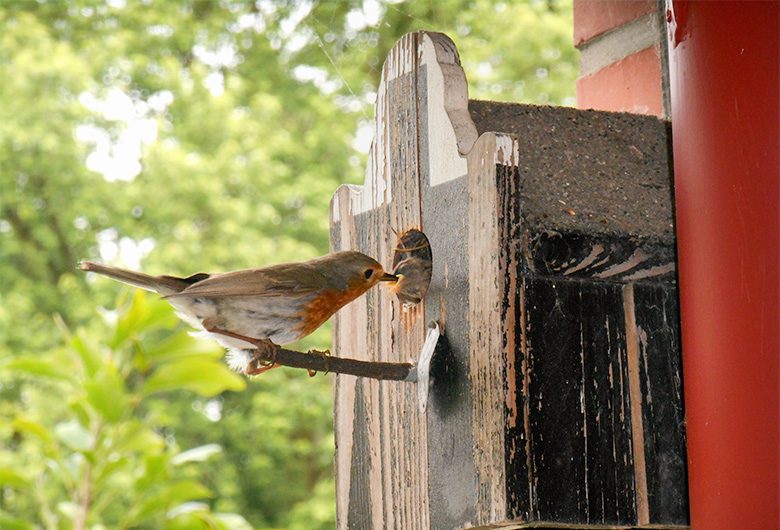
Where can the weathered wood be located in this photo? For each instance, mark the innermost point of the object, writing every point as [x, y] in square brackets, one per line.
[396, 476]
[559, 403]
[493, 159]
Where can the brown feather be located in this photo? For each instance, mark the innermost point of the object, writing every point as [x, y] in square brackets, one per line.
[164, 285]
[276, 280]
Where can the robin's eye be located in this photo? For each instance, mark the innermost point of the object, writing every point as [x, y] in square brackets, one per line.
[368, 273]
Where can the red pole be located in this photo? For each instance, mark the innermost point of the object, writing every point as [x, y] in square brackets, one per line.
[725, 90]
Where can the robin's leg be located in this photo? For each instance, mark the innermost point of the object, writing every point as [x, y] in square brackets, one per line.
[322, 353]
[264, 358]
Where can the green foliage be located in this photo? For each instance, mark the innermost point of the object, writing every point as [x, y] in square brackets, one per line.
[99, 455]
[189, 135]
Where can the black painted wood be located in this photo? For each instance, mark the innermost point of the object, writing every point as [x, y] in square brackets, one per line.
[578, 255]
[657, 316]
[570, 455]
[579, 421]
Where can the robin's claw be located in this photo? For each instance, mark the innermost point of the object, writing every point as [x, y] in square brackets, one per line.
[264, 355]
[264, 358]
[322, 353]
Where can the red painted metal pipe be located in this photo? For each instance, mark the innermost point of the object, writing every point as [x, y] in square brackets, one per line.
[725, 93]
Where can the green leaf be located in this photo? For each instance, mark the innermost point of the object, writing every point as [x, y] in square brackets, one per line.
[68, 509]
[193, 515]
[11, 477]
[162, 498]
[128, 322]
[197, 454]
[89, 354]
[155, 471]
[36, 366]
[78, 406]
[29, 426]
[109, 469]
[9, 522]
[189, 516]
[159, 313]
[106, 393]
[180, 346]
[230, 521]
[137, 437]
[145, 313]
[205, 377]
[73, 435]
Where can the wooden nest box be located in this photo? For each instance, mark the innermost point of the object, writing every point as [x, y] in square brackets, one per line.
[559, 402]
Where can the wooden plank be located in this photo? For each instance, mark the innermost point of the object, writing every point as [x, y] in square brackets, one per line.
[399, 164]
[658, 335]
[408, 436]
[579, 421]
[360, 513]
[446, 132]
[345, 343]
[486, 351]
[635, 400]
[452, 475]
[397, 471]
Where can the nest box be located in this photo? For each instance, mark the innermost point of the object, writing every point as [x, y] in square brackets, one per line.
[559, 401]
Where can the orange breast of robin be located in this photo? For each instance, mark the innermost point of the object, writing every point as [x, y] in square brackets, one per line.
[322, 307]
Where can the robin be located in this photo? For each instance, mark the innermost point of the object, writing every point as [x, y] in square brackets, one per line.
[412, 264]
[272, 305]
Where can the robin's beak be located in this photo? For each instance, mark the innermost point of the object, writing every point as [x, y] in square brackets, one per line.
[387, 277]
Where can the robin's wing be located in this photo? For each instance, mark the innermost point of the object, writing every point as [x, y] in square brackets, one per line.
[277, 280]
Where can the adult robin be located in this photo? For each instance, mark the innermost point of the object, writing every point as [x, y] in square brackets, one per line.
[272, 305]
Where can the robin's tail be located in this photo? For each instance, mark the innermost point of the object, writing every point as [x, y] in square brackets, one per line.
[164, 285]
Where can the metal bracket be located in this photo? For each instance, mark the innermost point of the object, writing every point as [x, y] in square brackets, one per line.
[421, 372]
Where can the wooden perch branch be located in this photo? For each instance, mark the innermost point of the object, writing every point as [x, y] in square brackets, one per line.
[269, 354]
[323, 363]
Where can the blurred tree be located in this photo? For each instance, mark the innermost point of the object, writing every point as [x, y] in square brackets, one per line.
[210, 135]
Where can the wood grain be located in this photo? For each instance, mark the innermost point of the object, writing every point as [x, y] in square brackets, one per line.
[397, 467]
[486, 351]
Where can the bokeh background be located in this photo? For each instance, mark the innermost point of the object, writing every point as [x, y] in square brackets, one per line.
[176, 137]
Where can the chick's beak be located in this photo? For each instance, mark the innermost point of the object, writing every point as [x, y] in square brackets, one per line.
[387, 277]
